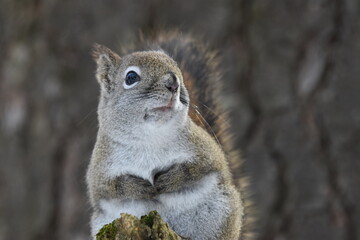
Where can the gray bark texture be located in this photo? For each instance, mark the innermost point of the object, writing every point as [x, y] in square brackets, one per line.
[292, 88]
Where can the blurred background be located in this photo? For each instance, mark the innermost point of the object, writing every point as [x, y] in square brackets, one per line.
[291, 85]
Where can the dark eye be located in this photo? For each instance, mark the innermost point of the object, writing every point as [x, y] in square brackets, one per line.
[131, 78]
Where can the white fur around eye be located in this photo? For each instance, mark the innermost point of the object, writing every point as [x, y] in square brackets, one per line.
[129, 69]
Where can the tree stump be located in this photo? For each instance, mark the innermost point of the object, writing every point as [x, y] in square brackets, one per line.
[129, 227]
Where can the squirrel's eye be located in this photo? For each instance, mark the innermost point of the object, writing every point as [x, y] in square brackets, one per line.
[131, 79]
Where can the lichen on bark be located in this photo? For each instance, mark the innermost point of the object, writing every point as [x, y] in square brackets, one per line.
[129, 227]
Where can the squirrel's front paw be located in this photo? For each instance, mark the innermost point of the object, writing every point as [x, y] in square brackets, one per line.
[167, 181]
[146, 189]
[162, 185]
[135, 187]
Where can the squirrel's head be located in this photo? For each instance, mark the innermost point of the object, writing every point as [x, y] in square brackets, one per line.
[139, 92]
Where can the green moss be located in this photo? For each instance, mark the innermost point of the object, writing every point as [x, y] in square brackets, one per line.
[149, 219]
[107, 232]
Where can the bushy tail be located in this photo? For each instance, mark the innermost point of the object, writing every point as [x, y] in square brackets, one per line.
[203, 80]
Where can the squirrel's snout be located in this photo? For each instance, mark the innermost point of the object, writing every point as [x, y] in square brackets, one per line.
[172, 83]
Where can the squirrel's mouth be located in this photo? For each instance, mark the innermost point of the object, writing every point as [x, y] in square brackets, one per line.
[170, 106]
[156, 113]
[164, 111]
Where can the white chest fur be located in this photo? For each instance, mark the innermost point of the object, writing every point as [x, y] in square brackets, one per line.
[156, 147]
[143, 162]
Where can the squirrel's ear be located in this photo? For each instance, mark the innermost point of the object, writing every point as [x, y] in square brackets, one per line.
[107, 66]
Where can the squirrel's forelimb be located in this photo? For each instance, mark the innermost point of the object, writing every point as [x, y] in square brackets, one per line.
[181, 175]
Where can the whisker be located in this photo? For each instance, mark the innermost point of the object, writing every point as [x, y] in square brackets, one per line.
[204, 121]
[217, 115]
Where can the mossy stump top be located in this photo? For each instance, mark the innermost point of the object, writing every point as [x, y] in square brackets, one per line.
[129, 227]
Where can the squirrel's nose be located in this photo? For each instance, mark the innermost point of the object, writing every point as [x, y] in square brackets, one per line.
[172, 83]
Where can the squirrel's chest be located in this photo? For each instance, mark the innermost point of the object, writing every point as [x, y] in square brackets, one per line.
[144, 163]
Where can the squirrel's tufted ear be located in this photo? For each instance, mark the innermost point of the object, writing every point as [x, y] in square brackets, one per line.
[107, 66]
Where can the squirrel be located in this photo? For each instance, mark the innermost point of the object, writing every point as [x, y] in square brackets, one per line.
[154, 151]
